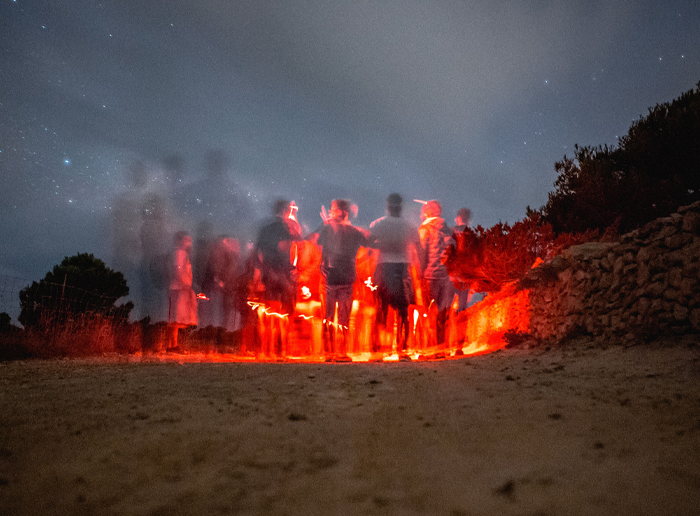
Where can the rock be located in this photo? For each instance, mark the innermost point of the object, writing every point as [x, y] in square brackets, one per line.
[680, 256]
[642, 274]
[656, 306]
[655, 289]
[691, 222]
[658, 264]
[695, 318]
[690, 270]
[558, 263]
[619, 265]
[680, 313]
[643, 305]
[688, 286]
[646, 253]
[565, 275]
[672, 294]
[666, 232]
[659, 276]
[677, 240]
[675, 277]
[587, 251]
[615, 322]
[691, 207]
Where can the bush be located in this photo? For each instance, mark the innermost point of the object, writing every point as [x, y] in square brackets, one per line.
[487, 259]
[78, 286]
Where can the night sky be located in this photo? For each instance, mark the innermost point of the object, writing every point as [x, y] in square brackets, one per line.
[467, 102]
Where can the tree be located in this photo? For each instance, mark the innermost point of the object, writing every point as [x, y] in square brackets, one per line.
[654, 169]
[80, 284]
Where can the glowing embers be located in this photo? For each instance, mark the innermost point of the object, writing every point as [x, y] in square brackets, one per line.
[273, 335]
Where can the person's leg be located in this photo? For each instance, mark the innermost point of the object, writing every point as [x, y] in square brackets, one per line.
[402, 277]
[344, 297]
[442, 293]
[382, 298]
[329, 321]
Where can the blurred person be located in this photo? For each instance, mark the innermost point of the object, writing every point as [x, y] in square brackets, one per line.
[182, 306]
[221, 278]
[202, 247]
[248, 288]
[125, 232]
[218, 199]
[463, 221]
[155, 236]
[274, 248]
[174, 173]
[339, 242]
[396, 239]
[434, 236]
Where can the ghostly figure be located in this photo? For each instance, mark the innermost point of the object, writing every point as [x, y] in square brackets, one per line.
[218, 200]
[155, 237]
[125, 232]
[182, 301]
[221, 281]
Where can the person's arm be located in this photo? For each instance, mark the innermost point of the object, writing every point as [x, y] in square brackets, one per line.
[372, 236]
[422, 248]
[315, 234]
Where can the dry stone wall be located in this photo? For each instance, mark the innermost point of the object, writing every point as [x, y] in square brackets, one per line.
[643, 285]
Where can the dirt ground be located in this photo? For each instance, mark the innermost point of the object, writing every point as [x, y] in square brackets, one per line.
[576, 429]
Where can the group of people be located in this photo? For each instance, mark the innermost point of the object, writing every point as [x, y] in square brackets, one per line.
[270, 273]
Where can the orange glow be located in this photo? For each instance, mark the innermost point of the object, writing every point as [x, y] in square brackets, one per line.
[485, 323]
[299, 338]
[270, 334]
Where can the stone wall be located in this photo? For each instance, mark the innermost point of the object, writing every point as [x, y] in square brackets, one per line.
[645, 284]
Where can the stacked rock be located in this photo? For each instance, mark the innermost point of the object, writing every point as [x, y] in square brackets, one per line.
[643, 285]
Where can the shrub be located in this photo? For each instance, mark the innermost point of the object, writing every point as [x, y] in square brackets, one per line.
[79, 285]
[487, 259]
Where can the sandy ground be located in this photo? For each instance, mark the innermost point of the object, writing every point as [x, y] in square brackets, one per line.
[575, 429]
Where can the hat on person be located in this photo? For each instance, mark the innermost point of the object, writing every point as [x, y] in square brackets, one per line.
[433, 208]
